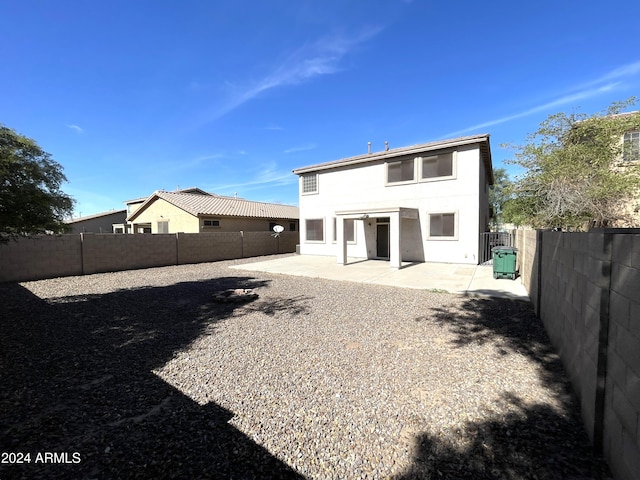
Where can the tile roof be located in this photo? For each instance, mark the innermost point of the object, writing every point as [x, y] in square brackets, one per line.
[212, 204]
[396, 152]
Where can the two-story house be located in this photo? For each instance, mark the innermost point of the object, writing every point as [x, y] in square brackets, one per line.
[427, 202]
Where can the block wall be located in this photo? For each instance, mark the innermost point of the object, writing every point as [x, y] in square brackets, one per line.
[571, 305]
[87, 253]
[589, 302]
[41, 257]
[209, 247]
[109, 253]
[621, 443]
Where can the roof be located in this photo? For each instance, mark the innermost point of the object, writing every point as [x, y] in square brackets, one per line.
[482, 140]
[210, 204]
[184, 190]
[97, 215]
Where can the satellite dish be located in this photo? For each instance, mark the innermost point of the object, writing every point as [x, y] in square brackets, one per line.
[278, 228]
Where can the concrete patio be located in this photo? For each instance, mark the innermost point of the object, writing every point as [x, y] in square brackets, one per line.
[454, 278]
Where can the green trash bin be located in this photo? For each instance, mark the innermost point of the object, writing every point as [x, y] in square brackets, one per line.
[504, 262]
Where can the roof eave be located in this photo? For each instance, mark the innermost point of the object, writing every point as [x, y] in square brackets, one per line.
[393, 153]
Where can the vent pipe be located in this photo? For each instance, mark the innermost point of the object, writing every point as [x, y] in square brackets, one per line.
[386, 146]
[369, 147]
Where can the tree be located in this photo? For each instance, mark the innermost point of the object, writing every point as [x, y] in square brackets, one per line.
[31, 201]
[574, 176]
[499, 195]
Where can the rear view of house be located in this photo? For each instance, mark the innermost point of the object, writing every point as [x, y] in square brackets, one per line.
[427, 202]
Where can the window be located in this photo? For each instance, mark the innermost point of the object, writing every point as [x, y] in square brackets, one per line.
[349, 230]
[310, 183]
[163, 227]
[437, 166]
[631, 146]
[401, 171]
[211, 223]
[315, 230]
[442, 225]
[292, 227]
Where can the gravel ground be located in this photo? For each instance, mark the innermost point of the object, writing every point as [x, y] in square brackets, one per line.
[142, 374]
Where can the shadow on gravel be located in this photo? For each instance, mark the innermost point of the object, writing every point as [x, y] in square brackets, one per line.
[77, 381]
[533, 441]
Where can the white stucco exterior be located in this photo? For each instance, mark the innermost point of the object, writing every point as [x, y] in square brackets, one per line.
[392, 220]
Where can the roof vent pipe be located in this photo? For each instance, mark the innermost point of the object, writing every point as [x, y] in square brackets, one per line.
[386, 146]
[369, 147]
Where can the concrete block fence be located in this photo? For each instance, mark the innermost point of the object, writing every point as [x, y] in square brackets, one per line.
[585, 287]
[86, 253]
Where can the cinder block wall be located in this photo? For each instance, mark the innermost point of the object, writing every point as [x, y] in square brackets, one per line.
[621, 442]
[208, 247]
[64, 255]
[527, 263]
[265, 243]
[109, 252]
[40, 257]
[589, 302]
[570, 308]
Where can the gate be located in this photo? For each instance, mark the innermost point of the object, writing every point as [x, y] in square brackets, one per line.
[488, 240]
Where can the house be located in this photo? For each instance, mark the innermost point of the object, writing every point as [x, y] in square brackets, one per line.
[194, 210]
[99, 223]
[424, 203]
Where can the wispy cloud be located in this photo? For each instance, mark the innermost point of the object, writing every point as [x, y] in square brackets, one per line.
[273, 127]
[268, 176]
[190, 163]
[75, 128]
[601, 85]
[302, 148]
[322, 57]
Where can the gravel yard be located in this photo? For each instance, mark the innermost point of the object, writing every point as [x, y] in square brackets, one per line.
[142, 374]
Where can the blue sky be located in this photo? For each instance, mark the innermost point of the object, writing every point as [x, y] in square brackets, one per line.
[229, 96]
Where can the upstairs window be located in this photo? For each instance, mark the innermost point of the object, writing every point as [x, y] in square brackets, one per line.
[631, 147]
[310, 183]
[437, 166]
[401, 171]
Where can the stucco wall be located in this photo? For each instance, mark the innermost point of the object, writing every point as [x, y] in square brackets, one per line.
[161, 210]
[364, 188]
[102, 224]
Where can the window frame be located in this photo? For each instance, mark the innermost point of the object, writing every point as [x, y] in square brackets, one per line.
[302, 184]
[306, 230]
[400, 182]
[443, 237]
[165, 226]
[454, 170]
[631, 147]
[212, 220]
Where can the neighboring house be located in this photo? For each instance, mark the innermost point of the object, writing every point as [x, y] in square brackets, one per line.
[99, 223]
[426, 202]
[193, 211]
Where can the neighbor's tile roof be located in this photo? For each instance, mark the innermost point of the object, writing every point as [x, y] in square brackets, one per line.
[94, 216]
[211, 204]
[483, 140]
